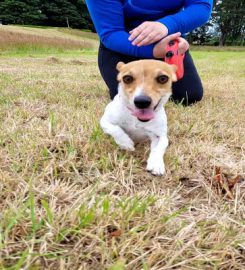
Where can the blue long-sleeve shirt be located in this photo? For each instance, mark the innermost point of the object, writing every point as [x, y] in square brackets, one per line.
[113, 19]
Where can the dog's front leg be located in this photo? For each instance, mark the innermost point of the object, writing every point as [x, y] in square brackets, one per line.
[155, 163]
[120, 137]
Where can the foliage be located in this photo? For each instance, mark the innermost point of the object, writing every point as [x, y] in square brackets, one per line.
[71, 13]
[200, 36]
[21, 12]
[226, 26]
[229, 15]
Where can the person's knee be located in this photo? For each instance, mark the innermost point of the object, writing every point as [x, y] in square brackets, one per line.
[188, 98]
[196, 96]
[113, 92]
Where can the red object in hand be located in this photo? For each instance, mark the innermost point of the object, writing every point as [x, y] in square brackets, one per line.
[173, 57]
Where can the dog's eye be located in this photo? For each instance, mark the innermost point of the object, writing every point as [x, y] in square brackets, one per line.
[162, 79]
[128, 79]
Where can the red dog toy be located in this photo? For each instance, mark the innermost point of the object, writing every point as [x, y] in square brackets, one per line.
[173, 57]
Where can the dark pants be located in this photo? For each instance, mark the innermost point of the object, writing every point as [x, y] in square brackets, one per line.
[188, 90]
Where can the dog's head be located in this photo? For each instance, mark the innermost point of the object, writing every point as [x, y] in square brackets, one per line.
[145, 85]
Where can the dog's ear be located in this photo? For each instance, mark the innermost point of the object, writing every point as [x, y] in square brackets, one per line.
[174, 69]
[119, 65]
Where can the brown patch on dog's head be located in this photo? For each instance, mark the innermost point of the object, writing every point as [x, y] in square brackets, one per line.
[151, 78]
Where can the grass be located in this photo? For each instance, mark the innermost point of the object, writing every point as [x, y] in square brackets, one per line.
[23, 41]
[218, 48]
[70, 199]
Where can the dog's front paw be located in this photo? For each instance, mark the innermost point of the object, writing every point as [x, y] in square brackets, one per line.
[125, 143]
[155, 166]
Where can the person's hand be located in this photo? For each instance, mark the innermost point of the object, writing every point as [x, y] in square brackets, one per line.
[159, 50]
[183, 45]
[148, 33]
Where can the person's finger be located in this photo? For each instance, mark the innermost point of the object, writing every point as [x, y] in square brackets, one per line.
[144, 34]
[136, 29]
[183, 46]
[136, 32]
[160, 48]
[151, 38]
[148, 40]
[172, 37]
[169, 38]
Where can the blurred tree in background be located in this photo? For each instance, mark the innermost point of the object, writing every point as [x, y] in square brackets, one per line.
[226, 26]
[21, 12]
[229, 15]
[71, 13]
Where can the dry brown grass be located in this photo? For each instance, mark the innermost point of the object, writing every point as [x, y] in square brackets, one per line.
[70, 199]
[79, 33]
[10, 39]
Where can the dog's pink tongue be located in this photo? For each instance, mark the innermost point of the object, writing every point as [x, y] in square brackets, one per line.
[144, 114]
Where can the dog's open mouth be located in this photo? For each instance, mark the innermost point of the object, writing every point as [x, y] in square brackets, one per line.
[144, 114]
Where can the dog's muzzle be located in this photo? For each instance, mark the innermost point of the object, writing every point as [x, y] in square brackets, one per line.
[143, 110]
[142, 102]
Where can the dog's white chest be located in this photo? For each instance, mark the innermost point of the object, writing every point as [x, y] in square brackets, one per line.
[141, 131]
[136, 130]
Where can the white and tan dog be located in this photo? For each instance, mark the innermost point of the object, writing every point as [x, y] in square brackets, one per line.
[137, 111]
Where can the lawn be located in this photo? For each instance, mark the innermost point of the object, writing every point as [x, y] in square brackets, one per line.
[70, 199]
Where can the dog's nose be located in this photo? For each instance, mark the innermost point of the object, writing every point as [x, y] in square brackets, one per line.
[142, 102]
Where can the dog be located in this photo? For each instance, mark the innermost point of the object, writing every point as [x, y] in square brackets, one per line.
[137, 111]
